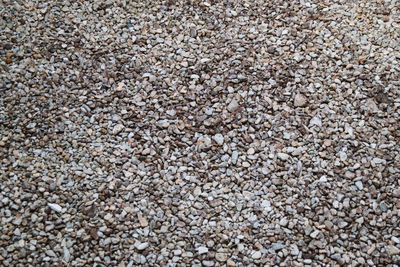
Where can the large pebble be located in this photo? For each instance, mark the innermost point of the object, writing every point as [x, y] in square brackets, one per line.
[300, 100]
[55, 207]
[233, 106]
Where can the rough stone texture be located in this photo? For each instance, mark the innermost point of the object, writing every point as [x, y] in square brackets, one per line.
[189, 133]
[300, 100]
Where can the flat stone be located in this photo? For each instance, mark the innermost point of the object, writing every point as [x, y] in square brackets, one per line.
[51, 253]
[283, 222]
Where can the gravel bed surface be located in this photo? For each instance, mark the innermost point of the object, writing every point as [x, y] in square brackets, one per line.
[199, 133]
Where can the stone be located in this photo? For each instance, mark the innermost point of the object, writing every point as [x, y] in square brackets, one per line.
[233, 106]
[283, 156]
[315, 121]
[256, 255]
[396, 192]
[208, 263]
[250, 151]
[392, 250]
[204, 143]
[55, 207]
[300, 100]
[51, 253]
[371, 105]
[221, 257]
[314, 234]
[359, 185]
[277, 246]
[67, 255]
[134, 132]
[283, 222]
[230, 263]
[202, 250]
[235, 156]
[294, 250]
[141, 246]
[142, 220]
[395, 240]
[219, 139]
[118, 128]
[108, 216]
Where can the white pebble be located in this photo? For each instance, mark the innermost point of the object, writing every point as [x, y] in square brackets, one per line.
[55, 207]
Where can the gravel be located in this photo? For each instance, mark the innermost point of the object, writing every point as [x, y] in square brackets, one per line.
[189, 133]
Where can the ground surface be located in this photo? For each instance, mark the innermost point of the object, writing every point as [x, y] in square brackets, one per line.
[199, 132]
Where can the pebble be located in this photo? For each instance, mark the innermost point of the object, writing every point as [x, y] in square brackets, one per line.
[371, 105]
[300, 100]
[230, 262]
[277, 246]
[283, 156]
[251, 151]
[359, 185]
[256, 255]
[204, 143]
[108, 216]
[208, 263]
[141, 246]
[55, 207]
[51, 253]
[314, 234]
[118, 128]
[396, 192]
[202, 250]
[233, 106]
[316, 121]
[294, 250]
[392, 250]
[142, 220]
[395, 240]
[235, 156]
[67, 254]
[221, 257]
[219, 139]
